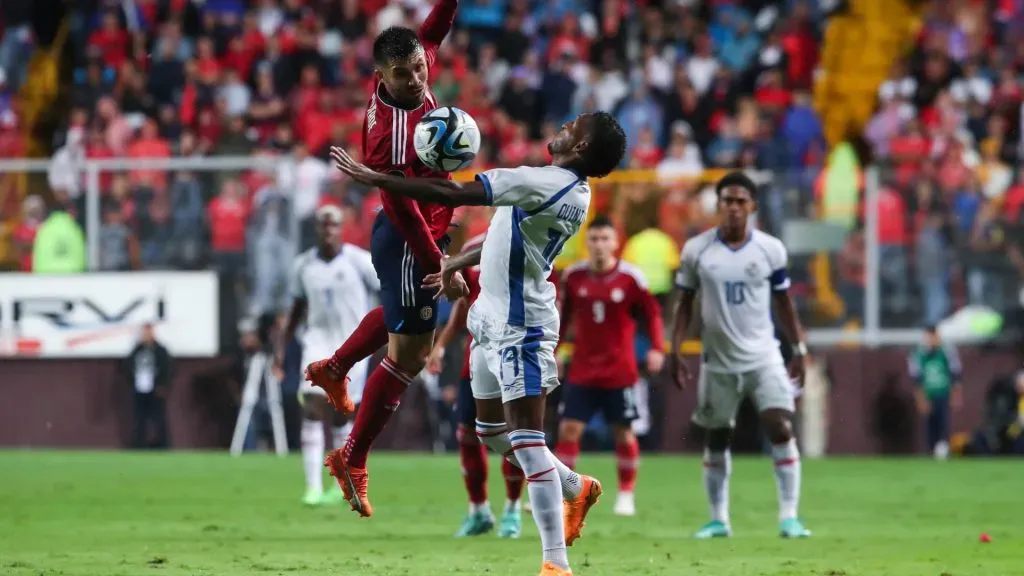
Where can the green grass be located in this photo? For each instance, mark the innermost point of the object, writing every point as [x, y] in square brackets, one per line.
[109, 514]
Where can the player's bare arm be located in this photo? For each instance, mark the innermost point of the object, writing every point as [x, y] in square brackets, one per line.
[683, 316]
[456, 323]
[296, 314]
[790, 324]
[435, 190]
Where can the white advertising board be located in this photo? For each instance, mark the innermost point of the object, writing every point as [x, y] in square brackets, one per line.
[99, 315]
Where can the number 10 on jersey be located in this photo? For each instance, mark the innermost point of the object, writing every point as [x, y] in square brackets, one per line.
[735, 293]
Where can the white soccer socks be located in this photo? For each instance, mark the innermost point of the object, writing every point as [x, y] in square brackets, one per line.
[717, 468]
[787, 477]
[542, 482]
[312, 439]
[496, 437]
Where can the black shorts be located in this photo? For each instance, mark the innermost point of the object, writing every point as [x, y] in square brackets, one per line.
[408, 309]
[465, 404]
[618, 406]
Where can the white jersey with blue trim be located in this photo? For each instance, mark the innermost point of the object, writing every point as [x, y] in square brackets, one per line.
[736, 286]
[538, 210]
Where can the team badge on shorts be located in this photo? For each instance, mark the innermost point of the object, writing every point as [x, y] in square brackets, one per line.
[426, 312]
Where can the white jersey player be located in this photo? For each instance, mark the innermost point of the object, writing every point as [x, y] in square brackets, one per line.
[333, 286]
[740, 273]
[514, 321]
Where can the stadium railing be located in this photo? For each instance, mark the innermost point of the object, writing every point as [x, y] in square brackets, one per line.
[852, 286]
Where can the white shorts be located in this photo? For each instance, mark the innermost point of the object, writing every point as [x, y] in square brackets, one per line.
[357, 375]
[511, 362]
[719, 394]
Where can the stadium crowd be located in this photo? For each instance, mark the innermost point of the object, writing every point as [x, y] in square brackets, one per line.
[696, 84]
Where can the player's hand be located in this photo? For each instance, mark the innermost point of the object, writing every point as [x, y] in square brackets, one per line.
[435, 360]
[455, 287]
[655, 361]
[436, 280]
[358, 171]
[680, 371]
[797, 370]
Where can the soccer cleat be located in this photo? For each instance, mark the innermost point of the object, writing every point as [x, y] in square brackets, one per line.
[575, 512]
[312, 497]
[793, 528]
[353, 481]
[333, 496]
[324, 373]
[549, 569]
[713, 529]
[511, 524]
[625, 504]
[476, 523]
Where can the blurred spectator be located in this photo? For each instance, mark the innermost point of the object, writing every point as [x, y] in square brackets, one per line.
[149, 368]
[59, 246]
[33, 211]
[149, 145]
[17, 40]
[227, 214]
[303, 176]
[118, 246]
[65, 171]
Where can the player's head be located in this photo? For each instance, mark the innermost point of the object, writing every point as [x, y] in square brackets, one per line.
[736, 199]
[602, 240]
[593, 143]
[931, 336]
[328, 226]
[401, 64]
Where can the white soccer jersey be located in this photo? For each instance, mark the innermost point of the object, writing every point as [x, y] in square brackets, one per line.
[736, 286]
[539, 209]
[338, 294]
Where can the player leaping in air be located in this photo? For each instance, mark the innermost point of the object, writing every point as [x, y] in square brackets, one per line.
[741, 273]
[514, 322]
[600, 301]
[407, 243]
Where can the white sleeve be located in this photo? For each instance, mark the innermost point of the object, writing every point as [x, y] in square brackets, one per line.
[510, 187]
[364, 263]
[779, 260]
[687, 277]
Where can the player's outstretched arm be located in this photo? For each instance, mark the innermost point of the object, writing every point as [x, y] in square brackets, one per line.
[437, 25]
[435, 190]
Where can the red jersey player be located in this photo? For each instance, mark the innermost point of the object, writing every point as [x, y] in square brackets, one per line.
[600, 299]
[407, 244]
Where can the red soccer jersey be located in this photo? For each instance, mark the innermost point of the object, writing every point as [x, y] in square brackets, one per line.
[388, 147]
[602, 310]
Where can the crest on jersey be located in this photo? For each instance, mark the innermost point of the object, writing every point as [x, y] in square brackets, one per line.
[753, 270]
[426, 313]
[618, 295]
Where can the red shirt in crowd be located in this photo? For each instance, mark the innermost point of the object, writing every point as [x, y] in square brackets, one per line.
[602, 309]
[227, 224]
[113, 45]
[892, 218]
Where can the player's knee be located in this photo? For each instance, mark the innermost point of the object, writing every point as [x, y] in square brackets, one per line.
[777, 426]
[490, 410]
[409, 351]
[623, 434]
[466, 435]
[718, 439]
[312, 407]
[570, 430]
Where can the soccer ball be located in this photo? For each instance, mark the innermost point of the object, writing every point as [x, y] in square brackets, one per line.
[446, 139]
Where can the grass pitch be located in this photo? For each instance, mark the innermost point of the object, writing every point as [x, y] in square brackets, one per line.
[111, 514]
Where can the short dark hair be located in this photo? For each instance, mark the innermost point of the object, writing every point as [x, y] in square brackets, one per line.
[606, 145]
[395, 44]
[736, 178]
[931, 329]
[601, 221]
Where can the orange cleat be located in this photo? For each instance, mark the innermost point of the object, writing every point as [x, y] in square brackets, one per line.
[353, 481]
[575, 511]
[549, 569]
[324, 374]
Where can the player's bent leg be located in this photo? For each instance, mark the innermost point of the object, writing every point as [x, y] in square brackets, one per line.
[717, 469]
[627, 452]
[570, 431]
[312, 441]
[525, 414]
[786, 461]
[331, 374]
[341, 429]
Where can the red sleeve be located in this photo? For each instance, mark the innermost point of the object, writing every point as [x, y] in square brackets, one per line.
[436, 27]
[651, 312]
[403, 212]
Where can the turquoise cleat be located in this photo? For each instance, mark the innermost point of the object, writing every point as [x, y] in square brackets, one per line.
[476, 523]
[312, 497]
[511, 524]
[713, 529]
[333, 496]
[793, 528]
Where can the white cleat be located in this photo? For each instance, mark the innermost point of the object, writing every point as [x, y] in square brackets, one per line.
[625, 504]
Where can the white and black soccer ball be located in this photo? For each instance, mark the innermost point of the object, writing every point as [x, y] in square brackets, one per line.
[447, 139]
